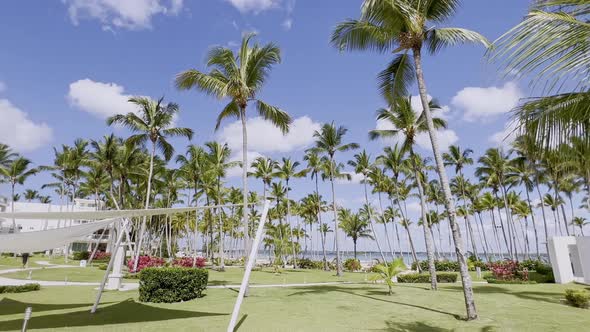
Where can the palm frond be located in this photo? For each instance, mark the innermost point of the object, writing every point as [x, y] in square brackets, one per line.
[438, 39]
[275, 115]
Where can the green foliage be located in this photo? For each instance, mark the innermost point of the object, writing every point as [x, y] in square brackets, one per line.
[445, 266]
[491, 280]
[171, 284]
[413, 278]
[20, 289]
[388, 272]
[81, 255]
[578, 298]
[306, 263]
[103, 267]
[352, 264]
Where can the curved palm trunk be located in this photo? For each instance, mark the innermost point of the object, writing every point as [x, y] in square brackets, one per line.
[567, 230]
[449, 204]
[371, 222]
[508, 247]
[471, 237]
[147, 205]
[486, 248]
[385, 226]
[412, 249]
[511, 227]
[496, 236]
[338, 265]
[427, 234]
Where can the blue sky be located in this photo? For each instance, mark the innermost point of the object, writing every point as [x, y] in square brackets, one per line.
[66, 65]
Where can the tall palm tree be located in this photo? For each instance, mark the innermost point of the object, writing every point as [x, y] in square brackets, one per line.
[17, 172]
[263, 169]
[362, 165]
[328, 141]
[354, 226]
[239, 77]
[407, 123]
[105, 154]
[580, 222]
[400, 27]
[154, 123]
[314, 168]
[287, 170]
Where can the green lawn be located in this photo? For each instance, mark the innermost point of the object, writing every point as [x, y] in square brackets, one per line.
[324, 308]
[231, 276]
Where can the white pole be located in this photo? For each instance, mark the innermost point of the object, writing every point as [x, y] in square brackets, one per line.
[251, 262]
[106, 274]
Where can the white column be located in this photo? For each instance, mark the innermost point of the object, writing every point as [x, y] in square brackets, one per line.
[560, 258]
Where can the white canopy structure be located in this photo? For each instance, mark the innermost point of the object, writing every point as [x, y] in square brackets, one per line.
[48, 239]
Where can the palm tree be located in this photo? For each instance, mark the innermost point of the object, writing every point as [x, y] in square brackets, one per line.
[388, 272]
[407, 123]
[154, 123]
[30, 195]
[554, 204]
[362, 165]
[264, 170]
[354, 226]
[314, 168]
[17, 172]
[522, 210]
[324, 230]
[580, 222]
[551, 43]
[287, 170]
[6, 155]
[239, 77]
[403, 26]
[329, 141]
[105, 154]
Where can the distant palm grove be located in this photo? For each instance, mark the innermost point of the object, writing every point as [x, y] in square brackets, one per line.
[516, 198]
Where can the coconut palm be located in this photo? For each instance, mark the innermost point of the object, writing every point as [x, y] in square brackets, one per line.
[379, 181]
[401, 27]
[17, 172]
[239, 78]
[153, 123]
[328, 141]
[6, 155]
[354, 226]
[388, 272]
[407, 123]
[263, 169]
[580, 222]
[30, 195]
[286, 170]
[551, 44]
[362, 165]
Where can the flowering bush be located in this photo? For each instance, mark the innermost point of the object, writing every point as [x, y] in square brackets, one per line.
[188, 262]
[508, 270]
[145, 261]
[101, 256]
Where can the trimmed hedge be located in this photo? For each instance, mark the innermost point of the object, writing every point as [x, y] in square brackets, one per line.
[492, 280]
[171, 284]
[81, 255]
[20, 289]
[413, 278]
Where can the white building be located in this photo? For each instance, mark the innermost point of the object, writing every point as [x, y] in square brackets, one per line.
[570, 259]
[31, 225]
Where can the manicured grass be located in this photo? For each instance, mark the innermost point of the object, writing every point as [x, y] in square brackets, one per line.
[231, 276]
[323, 308]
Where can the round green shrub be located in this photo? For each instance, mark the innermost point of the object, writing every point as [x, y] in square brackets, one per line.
[578, 298]
[171, 284]
[352, 264]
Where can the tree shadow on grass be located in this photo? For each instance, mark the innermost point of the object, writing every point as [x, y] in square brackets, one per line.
[11, 307]
[123, 312]
[368, 292]
[548, 297]
[412, 326]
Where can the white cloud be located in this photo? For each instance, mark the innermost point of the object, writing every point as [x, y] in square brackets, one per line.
[485, 103]
[355, 178]
[20, 132]
[506, 136]
[2, 86]
[126, 14]
[99, 99]
[446, 138]
[287, 23]
[264, 137]
[237, 170]
[255, 6]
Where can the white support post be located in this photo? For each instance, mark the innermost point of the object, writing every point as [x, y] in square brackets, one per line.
[251, 262]
[106, 274]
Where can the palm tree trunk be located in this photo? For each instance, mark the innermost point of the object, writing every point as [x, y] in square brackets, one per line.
[486, 248]
[323, 241]
[544, 218]
[412, 249]
[508, 247]
[427, 235]
[449, 204]
[371, 222]
[528, 198]
[147, 205]
[294, 254]
[384, 225]
[338, 266]
[567, 230]
[245, 183]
